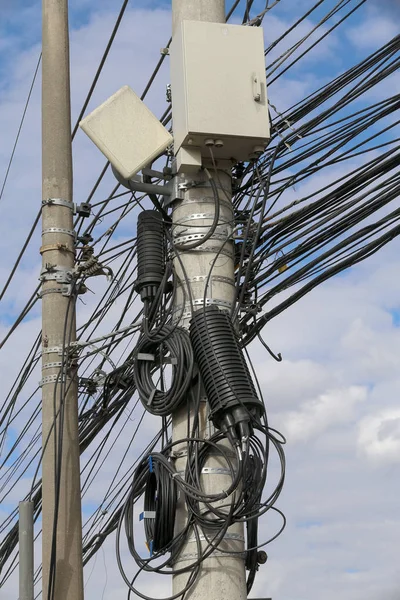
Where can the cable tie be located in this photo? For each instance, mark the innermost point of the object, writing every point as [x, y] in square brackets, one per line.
[147, 514]
[150, 464]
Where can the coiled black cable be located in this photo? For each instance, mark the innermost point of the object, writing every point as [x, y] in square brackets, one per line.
[153, 354]
[160, 499]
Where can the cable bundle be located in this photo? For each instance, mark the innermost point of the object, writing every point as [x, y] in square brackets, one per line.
[160, 497]
[208, 519]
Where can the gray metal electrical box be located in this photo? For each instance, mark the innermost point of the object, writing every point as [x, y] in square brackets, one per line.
[219, 88]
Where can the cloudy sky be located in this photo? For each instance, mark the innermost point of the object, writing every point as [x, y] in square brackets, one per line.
[336, 394]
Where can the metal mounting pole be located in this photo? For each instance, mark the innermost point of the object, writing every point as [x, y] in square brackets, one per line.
[26, 560]
[61, 494]
[222, 575]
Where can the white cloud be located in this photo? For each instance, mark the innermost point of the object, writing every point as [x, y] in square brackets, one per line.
[373, 32]
[379, 436]
[332, 408]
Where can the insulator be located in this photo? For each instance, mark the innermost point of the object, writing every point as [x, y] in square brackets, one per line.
[151, 253]
[234, 404]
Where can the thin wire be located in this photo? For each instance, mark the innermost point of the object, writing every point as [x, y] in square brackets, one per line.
[20, 126]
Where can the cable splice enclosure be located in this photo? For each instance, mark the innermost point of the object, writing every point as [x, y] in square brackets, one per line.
[151, 253]
[231, 394]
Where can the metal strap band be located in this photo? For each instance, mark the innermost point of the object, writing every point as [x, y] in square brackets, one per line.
[51, 379]
[202, 278]
[227, 452]
[59, 247]
[52, 365]
[190, 237]
[195, 217]
[58, 202]
[211, 471]
[204, 200]
[234, 537]
[194, 555]
[65, 291]
[221, 251]
[54, 350]
[70, 232]
[211, 301]
[204, 301]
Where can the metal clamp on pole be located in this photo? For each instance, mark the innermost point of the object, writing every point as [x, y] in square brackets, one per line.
[83, 209]
[56, 273]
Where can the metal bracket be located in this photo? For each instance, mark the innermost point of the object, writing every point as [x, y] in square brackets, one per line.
[56, 273]
[82, 209]
[178, 186]
[175, 191]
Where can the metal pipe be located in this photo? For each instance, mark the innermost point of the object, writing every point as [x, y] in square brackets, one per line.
[26, 555]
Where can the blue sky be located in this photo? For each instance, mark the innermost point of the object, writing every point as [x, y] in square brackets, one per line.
[335, 396]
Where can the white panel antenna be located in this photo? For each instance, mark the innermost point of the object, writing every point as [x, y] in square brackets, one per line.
[126, 132]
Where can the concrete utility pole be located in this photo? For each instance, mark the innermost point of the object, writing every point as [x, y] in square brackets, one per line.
[26, 562]
[222, 575]
[60, 474]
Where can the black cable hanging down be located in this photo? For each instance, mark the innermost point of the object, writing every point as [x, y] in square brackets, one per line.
[151, 253]
[235, 406]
